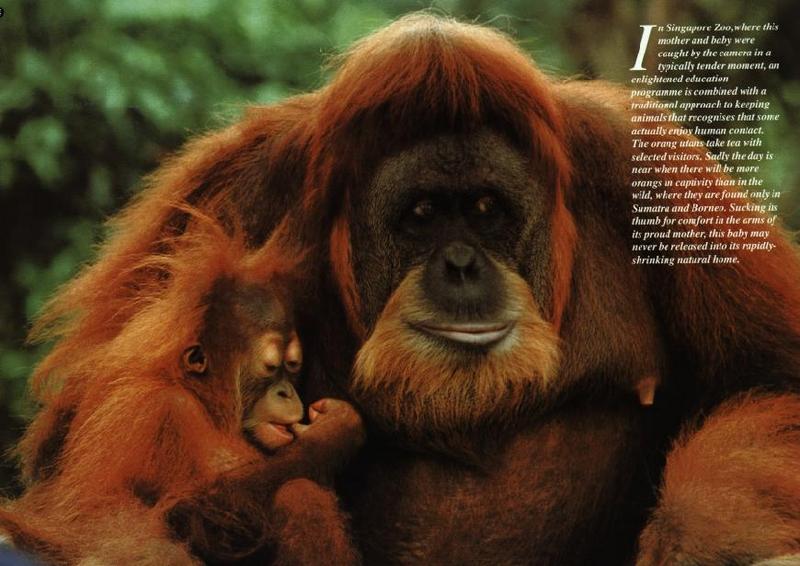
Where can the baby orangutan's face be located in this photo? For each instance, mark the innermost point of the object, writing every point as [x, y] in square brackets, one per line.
[271, 406]
[251, 328]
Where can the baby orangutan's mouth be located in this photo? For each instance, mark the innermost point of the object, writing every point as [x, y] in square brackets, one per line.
[272, 435]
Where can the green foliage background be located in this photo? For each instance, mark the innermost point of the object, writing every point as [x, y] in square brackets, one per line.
[94, 93]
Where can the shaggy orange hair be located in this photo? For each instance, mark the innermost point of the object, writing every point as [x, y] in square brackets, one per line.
[138, 429]
[241, 168]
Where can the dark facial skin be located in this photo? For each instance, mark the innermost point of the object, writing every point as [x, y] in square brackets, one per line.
[450, 204]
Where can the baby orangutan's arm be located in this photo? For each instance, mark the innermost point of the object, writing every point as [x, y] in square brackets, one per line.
[246, 508]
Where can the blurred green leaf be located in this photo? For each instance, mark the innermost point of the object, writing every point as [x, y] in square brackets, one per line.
[33, 66]
[15, 93]
[157, 10]
[14, 364]
[40, 142]
[100, 187]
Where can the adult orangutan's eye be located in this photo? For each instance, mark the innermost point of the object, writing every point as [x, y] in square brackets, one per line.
[486, 213]
[418, 218]
[485, 205]
[424, 209]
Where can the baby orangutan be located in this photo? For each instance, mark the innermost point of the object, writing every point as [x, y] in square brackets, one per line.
[184, 440]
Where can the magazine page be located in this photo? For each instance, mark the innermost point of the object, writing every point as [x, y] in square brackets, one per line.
[399, 282]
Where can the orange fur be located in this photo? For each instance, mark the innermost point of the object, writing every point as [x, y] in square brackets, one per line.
[564, 236]
[300, 501]
[341, 263]
[143, 434]
[235, 167]
[731, 488]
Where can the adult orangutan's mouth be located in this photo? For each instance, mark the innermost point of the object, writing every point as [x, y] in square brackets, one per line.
[471, 333]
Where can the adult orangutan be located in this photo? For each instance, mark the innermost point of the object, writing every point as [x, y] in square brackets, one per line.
[524, 384]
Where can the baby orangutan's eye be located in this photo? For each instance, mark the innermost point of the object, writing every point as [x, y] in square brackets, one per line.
[194, 360]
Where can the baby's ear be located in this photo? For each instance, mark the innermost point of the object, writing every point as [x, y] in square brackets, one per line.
[194, 360]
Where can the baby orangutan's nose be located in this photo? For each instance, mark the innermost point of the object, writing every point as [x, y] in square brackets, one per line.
[279, 350]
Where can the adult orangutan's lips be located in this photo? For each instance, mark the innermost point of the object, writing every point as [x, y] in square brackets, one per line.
[472, 334]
